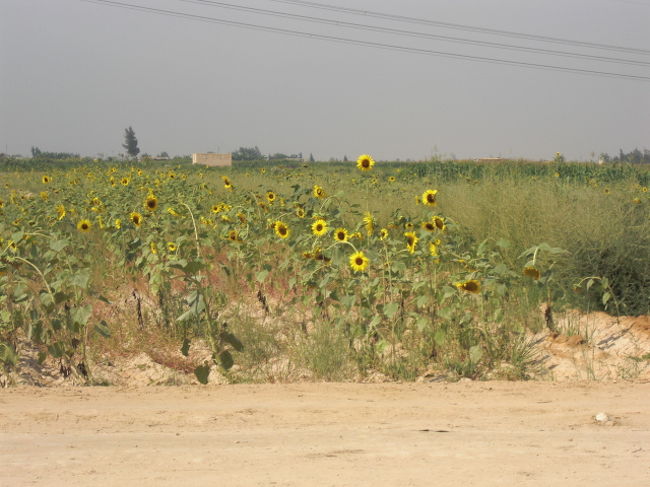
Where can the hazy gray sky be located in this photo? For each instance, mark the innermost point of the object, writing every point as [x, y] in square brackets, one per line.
[74, 75]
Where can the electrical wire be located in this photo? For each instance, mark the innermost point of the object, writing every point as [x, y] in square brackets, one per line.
[378, 45]
[468, 28]
[411, 33]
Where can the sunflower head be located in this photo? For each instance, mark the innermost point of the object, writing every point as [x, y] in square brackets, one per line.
[84, 225]
[136, 218]
[60, 212]
[151, 202]
[365, 162]
[471, 286]
[117, 224]
[532, 272]
[383, 234]
[429, 197]
[369, 223]
[281, 229]
[319, 227]
[391, 179]
[300, 212]
[46, 179]
[428, 226]
[411, 241]
[171, 246]
[318, 192]
[439, 222]
[153, 247]
[233, 236]
[359, 262]
[341, 235]
[125, 181]
[226, 182]
[270, 196]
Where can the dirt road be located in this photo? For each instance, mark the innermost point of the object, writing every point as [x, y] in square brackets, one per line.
[474, 434]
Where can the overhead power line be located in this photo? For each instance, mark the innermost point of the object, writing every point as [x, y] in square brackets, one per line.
[468, 28]
[410, 33]
[378, 45]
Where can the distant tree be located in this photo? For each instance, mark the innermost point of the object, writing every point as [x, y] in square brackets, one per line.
[164, 154]
[38, 153]
[130, 142]
[345, 158]
[311, 157]
[247, 154]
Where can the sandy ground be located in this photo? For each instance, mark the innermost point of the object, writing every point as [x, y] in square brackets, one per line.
[472, 433]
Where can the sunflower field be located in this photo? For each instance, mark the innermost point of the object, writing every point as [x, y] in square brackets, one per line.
[325, 271]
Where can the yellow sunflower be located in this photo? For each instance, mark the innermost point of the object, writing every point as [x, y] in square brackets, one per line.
[439, 222]
[84, 225]
[365, 162]
[117, 224]
[270, 196]
[153, 247]
[472, 286]
[383, 234]
[428, 226]
[359, 262]
[341, 235]
[411, 241]
[60, 212]
[46, 179]
[391, 179]
[281, 229]
[125, 181]
[226, 182]
[369, 223]
[318, 192]
[300, 212]
[319, 227]
[136, 218]
[151, 203]
[171, 246]
[429, 197]
[233, 236]
[433, 249]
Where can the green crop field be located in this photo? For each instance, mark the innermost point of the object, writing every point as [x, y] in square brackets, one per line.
[342, 269]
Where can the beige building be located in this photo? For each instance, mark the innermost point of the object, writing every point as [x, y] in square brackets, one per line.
[212, 159]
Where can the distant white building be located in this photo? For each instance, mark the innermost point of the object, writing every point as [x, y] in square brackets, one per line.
[212, 159]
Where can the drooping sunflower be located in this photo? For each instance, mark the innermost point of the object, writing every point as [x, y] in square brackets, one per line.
[281, 229]
[532, 272]
[429, 197]
[226, 182]
[153, 247]
[359, 262]
[171, 246]
[300, 212]
[433, 249]
[319, 227]
[60, 212]
[84, 225]
[383, 234]
[117, 224]
[369, 223]
[151, 202]
[365, 162]
[318, 192]
[136, 218]
[471, 286]
[172, 211]
[411, 241]
[341, 235]
[233, 236]
[270, 196]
